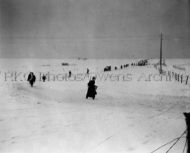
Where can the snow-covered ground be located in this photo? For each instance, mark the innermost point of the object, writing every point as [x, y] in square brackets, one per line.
[135, 110]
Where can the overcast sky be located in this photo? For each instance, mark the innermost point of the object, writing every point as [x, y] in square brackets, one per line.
[94, 28]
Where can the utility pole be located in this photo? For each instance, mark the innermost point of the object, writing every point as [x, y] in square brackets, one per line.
[161, 53]
[187, 118]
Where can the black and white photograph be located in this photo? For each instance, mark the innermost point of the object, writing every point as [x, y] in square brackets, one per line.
[94, 76]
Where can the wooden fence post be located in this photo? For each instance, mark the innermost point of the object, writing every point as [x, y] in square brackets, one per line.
[181, 78]
[187, 79]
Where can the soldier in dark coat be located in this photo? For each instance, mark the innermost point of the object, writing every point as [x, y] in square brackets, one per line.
[91, 89]
[70, 73]
[44, 78]
[87, 71]
[31, 78]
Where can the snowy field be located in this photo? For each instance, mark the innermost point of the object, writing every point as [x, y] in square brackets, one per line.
[135, 110]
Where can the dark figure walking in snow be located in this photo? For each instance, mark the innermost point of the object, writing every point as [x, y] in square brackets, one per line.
[44, 78]
[91, 89]
[70, 74]
[87, 71]
[31, 78]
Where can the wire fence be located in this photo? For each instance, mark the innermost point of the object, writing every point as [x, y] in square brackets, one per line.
[176, 76]
[175, 141]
